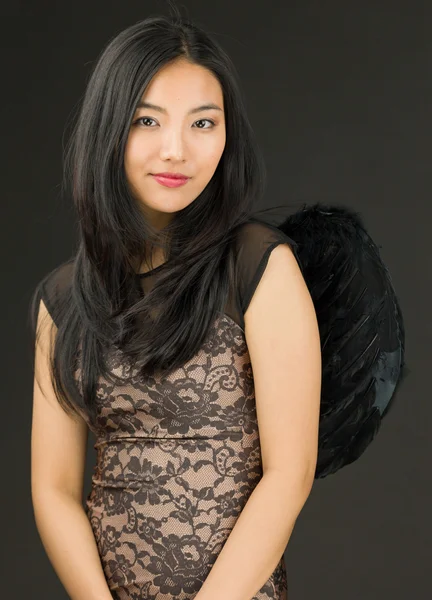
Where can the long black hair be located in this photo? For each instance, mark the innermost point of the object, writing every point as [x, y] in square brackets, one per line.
[105, 307]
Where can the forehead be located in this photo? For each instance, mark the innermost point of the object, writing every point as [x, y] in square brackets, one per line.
[181, 83]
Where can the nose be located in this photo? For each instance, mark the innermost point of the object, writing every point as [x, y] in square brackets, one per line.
[172, 146]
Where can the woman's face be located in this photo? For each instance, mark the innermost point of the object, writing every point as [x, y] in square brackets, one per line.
[180, 136]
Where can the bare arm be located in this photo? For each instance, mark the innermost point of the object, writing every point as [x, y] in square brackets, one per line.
[284, 346]
[58, 448]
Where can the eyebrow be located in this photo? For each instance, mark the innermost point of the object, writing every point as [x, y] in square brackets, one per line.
[209, 106]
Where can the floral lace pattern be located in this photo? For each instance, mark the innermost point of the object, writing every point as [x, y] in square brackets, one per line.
[177, 459]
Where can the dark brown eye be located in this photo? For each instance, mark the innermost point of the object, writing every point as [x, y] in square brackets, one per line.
[208, 120]
[144, 118]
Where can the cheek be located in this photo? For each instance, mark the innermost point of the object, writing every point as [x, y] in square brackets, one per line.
[136, 153]
[213, 153]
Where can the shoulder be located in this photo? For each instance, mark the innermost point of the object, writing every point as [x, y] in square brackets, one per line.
[257, 242]
[54, 288]
[58, 281]
[61, 275]
[279, 290]
[256, 231]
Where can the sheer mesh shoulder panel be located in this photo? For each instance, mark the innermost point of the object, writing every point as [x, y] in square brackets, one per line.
[256, 242]
[53, 289]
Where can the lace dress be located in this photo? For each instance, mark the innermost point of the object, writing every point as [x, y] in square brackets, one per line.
[177, 458]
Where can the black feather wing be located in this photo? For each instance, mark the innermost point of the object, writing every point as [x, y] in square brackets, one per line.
[361, 329]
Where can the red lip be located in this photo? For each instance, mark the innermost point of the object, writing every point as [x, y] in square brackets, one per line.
[171, 182]
[171, 175]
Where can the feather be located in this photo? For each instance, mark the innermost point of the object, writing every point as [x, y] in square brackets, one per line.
[361, 329]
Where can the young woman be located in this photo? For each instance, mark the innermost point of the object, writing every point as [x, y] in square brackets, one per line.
[222, 363]
[181, 334]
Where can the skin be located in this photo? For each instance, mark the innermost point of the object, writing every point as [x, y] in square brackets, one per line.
[191, 144]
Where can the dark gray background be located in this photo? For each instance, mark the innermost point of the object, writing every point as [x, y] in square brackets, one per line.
[340, 95]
